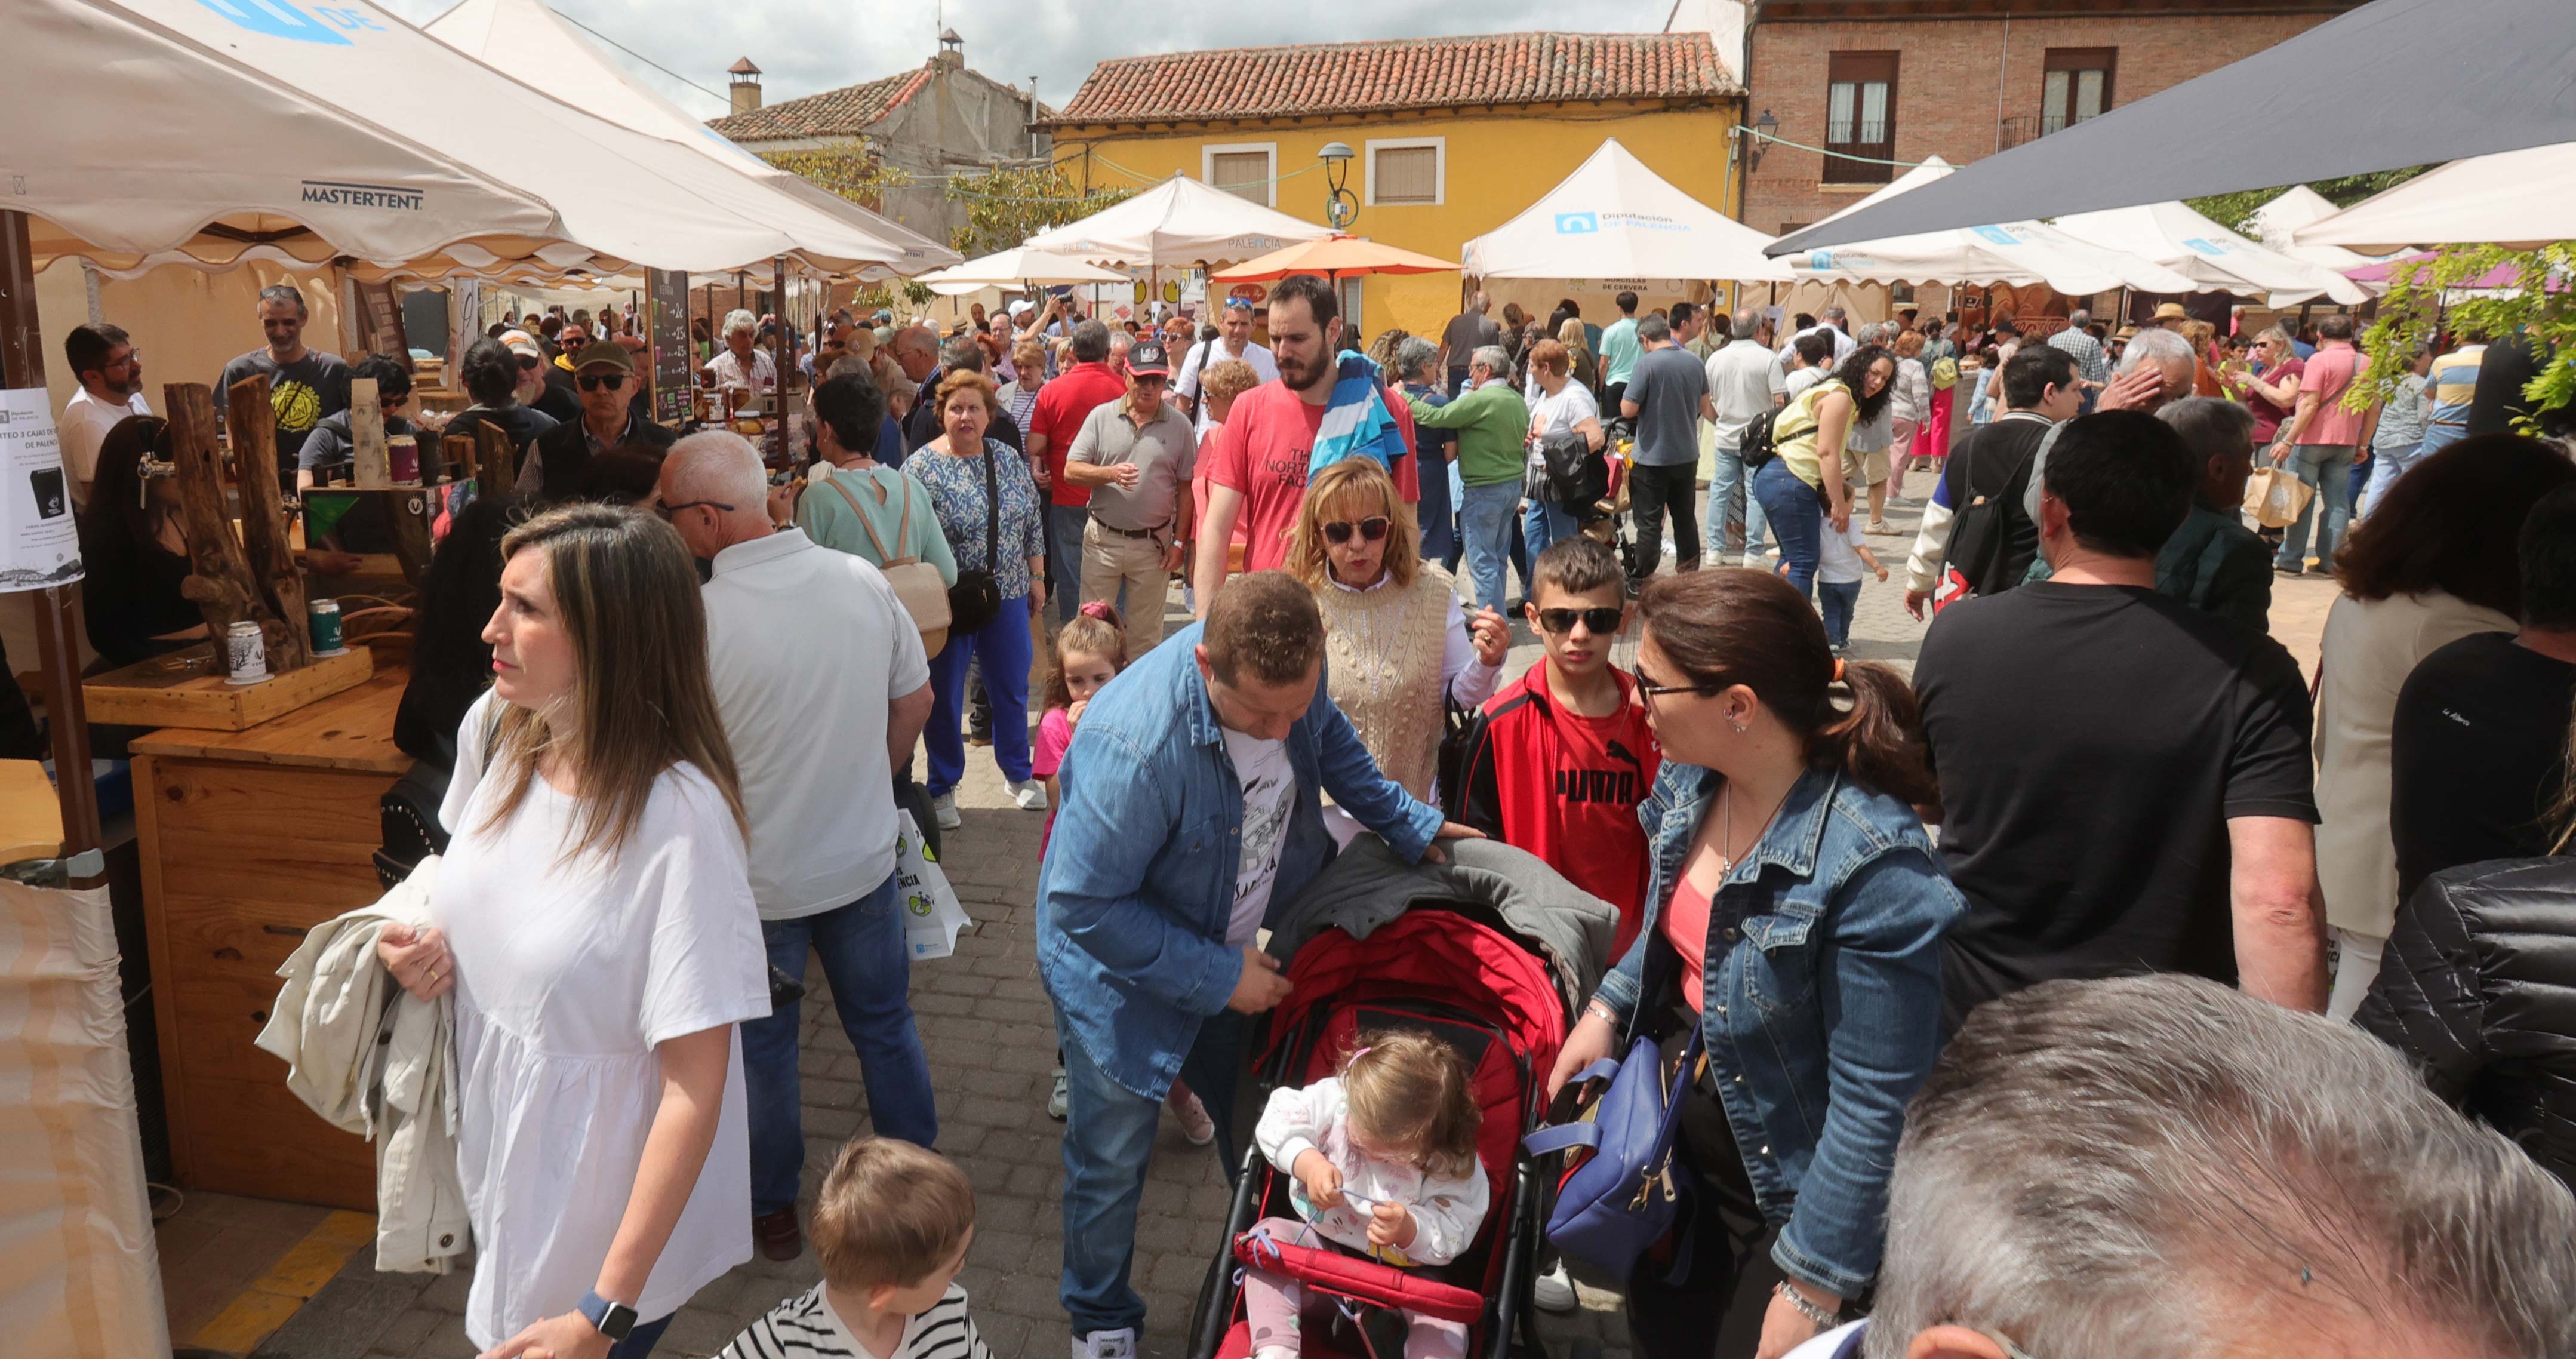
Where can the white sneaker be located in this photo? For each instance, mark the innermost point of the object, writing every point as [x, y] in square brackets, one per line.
[1118, 1344]
[1061, 1100]
[1030, 794]
[1195, 1123]
[944, 808]
[1555, 1290]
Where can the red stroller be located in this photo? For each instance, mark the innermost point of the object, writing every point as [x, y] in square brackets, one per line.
[1449, 972]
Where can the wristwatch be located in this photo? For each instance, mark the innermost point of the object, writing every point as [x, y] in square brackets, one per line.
[614, 1319]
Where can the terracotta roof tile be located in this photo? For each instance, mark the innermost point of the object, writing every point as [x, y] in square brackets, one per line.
[845, 112]
[1502, 68]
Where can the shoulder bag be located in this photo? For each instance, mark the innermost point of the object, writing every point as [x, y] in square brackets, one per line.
[916, 582]
[1980, 556]
[976, 598]
[1622, 1199]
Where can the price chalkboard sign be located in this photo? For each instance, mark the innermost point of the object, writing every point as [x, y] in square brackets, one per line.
[668, 295]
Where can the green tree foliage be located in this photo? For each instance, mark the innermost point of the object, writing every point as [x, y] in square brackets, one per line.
[2422, 300]
[849, 170]
[2235, 211]
[1007, 206]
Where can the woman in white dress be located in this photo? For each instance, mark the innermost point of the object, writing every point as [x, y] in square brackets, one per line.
[594, 918]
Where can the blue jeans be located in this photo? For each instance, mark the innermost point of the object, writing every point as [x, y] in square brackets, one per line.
[869, 966]
[2386, 466]
[1458, 534]
[1108, 1144]
[1543, 522]
[1723, 521]
[1064, 527]
[1439, 526]
[2328, 468]
[1795, 516]
[1003, 645]
[1835, 599]
[1486, 518]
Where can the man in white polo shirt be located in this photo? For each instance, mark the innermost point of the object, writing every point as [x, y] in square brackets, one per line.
[821, 681]
[1234, 341]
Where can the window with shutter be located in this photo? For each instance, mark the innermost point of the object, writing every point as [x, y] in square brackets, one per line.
[1245, 174]
[1405, 174]
[2077, 86]
[1860, 117]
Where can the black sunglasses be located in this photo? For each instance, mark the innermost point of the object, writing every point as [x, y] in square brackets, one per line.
[1370, 529]
[591, 382]
[530, 361]
[1602, 622]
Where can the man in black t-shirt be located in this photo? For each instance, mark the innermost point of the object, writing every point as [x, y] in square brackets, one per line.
[2125, 780]
[2479, 745]
[1992, 463]
[305, 386]
[1468, 331]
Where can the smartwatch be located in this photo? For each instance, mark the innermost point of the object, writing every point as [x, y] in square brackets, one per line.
[614, 1319]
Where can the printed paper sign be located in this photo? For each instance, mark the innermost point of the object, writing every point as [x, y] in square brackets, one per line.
[39, 544]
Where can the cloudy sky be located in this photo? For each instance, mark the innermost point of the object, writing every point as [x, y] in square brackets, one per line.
[806, 46]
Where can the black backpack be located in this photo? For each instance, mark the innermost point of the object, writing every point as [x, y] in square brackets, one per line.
[1982, 551]
[1755, 448]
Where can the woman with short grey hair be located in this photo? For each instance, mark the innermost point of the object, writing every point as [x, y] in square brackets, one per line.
[1417, 371]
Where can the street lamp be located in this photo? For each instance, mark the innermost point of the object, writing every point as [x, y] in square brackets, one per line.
[1765, 128]
[1340, 209]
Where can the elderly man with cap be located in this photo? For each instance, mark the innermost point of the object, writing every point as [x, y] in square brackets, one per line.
[2171, 316]
[605, 377]
[1136, 455]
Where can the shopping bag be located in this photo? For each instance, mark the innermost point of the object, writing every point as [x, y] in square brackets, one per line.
[2276, 498]
[931, 913]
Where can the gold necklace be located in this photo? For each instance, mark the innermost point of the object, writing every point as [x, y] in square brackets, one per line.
[1726, 824]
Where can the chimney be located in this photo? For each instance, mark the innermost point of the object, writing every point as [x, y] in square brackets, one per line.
[746, 86]
[952, 50]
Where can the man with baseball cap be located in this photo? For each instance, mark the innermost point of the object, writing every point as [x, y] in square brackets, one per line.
[1135, 455]
[604, 376]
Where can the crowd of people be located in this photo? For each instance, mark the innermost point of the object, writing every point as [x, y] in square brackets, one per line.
[2104, 986]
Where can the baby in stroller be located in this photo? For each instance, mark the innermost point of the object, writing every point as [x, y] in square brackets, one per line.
[1383, 1162]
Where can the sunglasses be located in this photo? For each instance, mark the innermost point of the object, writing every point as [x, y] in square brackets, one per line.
[1149, 379]
[1370, 529]
[591, 382]
[528, 362]
[1602, 622]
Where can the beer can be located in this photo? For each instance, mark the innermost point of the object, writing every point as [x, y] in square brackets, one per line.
[402, 458]
[245, 654]
[324, 615]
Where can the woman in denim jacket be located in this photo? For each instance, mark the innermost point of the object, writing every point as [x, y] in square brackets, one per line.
[1794, 915]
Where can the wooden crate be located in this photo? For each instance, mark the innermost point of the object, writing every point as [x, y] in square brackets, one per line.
[187, 689]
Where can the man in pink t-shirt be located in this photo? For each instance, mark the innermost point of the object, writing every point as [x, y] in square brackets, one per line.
[2317, 444]
[1257, 462]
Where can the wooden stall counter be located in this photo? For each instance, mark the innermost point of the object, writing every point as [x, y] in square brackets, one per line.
[248, 839]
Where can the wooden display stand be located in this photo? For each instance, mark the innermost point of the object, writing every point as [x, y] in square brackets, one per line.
[248, 839]
[188, 689]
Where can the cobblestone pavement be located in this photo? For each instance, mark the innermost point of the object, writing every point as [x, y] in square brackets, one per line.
[986, 1022]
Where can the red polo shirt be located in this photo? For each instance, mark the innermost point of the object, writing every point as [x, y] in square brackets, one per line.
[1062, 407]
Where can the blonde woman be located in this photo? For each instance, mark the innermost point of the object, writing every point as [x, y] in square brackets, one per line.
[1019, 396]
[593, 919]
[1394, 639]
[1579, 362]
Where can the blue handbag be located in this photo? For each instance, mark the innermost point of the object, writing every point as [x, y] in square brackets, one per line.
[1622, 1199]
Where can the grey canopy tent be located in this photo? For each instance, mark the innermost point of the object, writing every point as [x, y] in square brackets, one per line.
[2392, 84]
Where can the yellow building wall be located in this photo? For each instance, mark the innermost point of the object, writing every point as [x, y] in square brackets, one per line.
[1495, 167]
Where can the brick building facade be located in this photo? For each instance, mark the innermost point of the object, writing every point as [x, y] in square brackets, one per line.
[1906, 79]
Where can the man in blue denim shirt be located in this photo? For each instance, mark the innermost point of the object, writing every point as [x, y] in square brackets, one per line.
[1189, 807]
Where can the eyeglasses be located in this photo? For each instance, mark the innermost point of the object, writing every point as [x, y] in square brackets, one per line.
[1602, 622]
[591, 382]
[1651, 691]
[1370, 529]
[666, 511]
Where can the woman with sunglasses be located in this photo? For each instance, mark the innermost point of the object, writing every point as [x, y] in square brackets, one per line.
[1395, 641]
[1790, 953]
[956, 468]
[604, 375]
[492, 372]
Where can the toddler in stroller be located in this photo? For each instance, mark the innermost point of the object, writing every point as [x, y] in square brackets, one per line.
[1383, 1162]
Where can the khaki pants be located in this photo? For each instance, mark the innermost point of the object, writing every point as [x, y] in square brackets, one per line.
[1112, 562]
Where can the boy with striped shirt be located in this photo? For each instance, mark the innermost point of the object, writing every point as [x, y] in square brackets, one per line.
[891, 1228]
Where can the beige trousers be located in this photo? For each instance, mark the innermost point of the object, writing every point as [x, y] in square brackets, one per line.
[1112, 561]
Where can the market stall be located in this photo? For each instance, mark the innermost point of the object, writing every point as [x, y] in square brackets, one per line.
[2214, 258]
[2522, 200]
[1179, 224]
[1611, 225]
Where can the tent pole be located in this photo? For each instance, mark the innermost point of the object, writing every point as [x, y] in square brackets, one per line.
[22, 355]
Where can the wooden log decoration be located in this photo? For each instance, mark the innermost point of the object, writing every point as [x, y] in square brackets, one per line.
[496, 470]
[408, 512]
[220, 582]
[253, 427]
[458, 464]
[371, 463]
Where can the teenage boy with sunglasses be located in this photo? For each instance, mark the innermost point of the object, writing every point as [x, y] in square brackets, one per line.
[1556, 763]
[604, 378]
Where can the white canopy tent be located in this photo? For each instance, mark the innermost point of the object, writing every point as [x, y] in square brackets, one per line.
[2521, 199]
[2018, 253]
[2214, 258]
[617, 197]
[2278, 221]
[1179, 222]
[1614, 218]
[528, 40]
[1013, 269]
